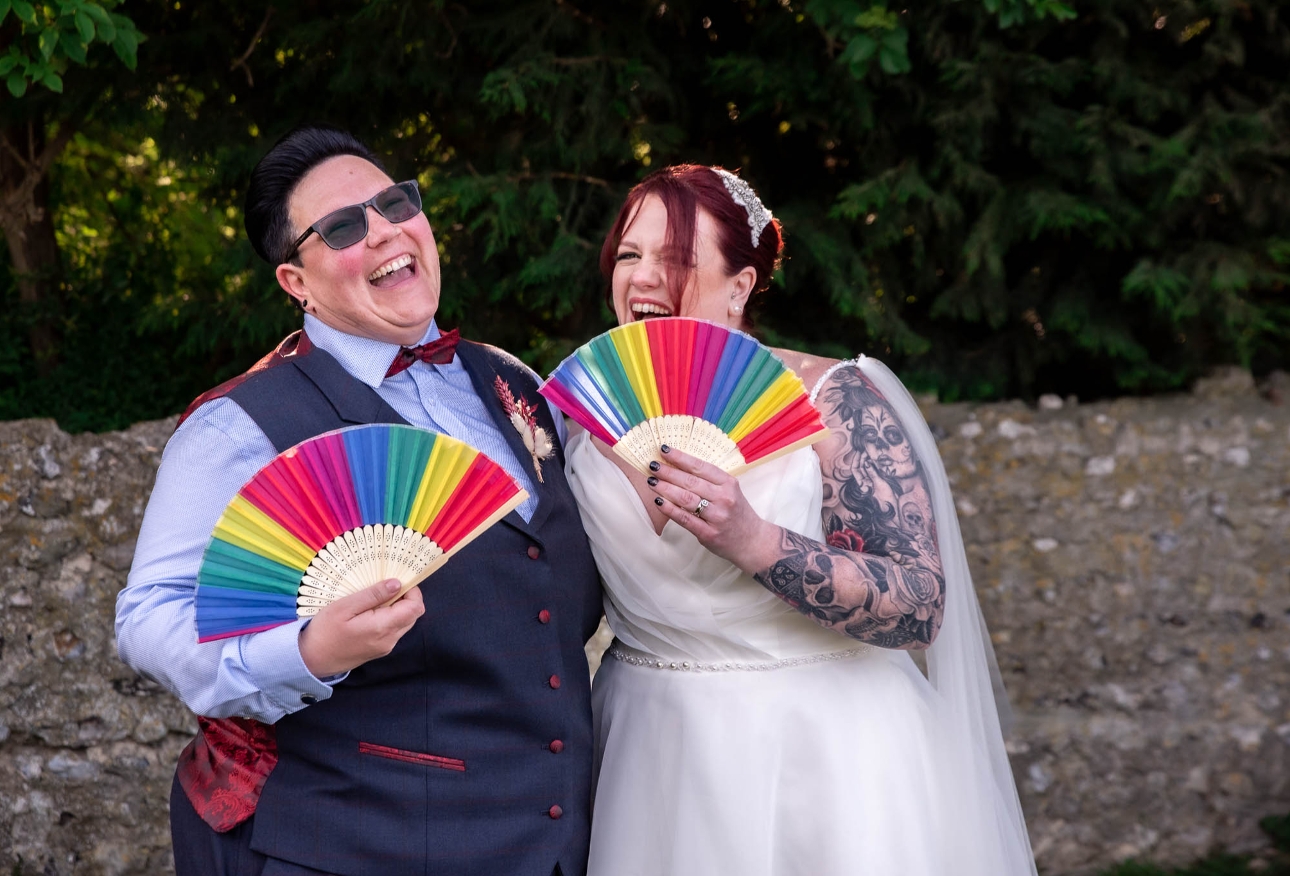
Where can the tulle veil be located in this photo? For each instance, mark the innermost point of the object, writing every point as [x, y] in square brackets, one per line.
[961, 665]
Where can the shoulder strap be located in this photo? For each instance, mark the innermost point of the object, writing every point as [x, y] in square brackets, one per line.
[295, 343]
[324, 396]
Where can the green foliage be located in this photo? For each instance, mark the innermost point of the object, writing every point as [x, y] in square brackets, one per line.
[998, 197]
[1277, 827]
[866, 34]
[1100, 199]
[51, 35]
[137, 239]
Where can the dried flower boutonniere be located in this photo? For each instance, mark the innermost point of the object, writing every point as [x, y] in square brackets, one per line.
[524, 418]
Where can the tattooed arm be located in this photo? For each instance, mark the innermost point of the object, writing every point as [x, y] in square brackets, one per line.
[878, 578]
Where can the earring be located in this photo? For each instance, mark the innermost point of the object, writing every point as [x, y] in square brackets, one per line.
[304, 303]
[737, 310]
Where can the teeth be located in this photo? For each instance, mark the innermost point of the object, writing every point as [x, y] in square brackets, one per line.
[401, 262]
[647, 307]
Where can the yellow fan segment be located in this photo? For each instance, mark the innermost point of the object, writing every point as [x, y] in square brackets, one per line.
[632, 344]
[785, 388]
[449, 461]
[248, 527]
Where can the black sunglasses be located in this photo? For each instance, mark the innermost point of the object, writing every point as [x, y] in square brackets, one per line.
[348, 225]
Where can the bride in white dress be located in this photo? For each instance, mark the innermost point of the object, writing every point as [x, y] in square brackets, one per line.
[759, 713]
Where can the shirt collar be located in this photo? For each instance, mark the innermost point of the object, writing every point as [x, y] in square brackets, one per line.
[366, 359]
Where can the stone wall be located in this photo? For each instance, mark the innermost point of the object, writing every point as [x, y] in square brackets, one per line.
[1131, 557]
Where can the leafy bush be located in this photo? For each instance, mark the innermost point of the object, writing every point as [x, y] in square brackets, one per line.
[1000, 198]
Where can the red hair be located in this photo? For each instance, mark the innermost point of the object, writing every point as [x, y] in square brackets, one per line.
[685, 189]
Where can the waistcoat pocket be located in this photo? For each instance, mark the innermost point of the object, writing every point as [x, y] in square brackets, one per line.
[431, 760]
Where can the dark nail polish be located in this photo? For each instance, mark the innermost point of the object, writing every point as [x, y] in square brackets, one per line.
[654, 466]
[666, 449]
[658, 500]
[652, 481]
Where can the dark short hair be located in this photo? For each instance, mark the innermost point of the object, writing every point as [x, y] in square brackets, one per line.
[268, 221]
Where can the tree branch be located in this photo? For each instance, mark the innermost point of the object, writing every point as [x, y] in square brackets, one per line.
[557, 174]
[22, 162]
[587, 59]
[443, 16]
[577, 13]
[590, 180]
[241, 62]
[19, 207]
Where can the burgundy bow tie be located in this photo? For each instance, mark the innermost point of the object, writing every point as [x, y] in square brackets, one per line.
[437, 352]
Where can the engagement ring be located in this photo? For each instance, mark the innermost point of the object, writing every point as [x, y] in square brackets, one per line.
[698, 511]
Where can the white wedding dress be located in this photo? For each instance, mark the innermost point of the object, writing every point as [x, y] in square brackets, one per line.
[735, 736]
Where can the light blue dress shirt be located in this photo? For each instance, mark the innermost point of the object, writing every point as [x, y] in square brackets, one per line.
[208, 459]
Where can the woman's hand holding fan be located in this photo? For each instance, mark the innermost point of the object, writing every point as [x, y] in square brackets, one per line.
[728, 525]
[360, 627]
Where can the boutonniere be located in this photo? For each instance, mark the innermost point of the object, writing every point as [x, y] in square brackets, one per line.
[523, 417]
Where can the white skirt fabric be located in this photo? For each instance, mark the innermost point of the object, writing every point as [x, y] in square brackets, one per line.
[807, 770]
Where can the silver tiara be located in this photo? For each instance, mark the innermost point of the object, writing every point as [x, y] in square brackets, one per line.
[758, 216]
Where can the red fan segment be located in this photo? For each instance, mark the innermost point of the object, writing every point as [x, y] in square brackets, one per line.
[284, 491]
[795, 422]
[485, 486]
[671, 371]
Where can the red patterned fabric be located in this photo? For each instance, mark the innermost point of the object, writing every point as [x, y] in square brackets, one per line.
[223, 770]
[440, 351]
[294, 344]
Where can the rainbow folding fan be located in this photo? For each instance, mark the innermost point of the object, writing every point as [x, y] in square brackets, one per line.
[711, 391]
[341, 512]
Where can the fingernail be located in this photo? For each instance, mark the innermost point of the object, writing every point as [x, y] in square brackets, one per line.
[652, 481]
[666, 449]
[658, 500]
[392, 586]
[654, 466]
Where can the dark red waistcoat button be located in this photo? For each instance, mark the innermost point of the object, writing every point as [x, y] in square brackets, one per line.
[544, 616]
[554, 681]
[555, 811]
[534, 552]
[556, 746]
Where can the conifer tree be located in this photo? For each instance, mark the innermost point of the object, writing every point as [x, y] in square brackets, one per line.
[999, 198]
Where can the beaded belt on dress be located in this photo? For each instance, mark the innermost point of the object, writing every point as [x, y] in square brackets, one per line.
[622, 652]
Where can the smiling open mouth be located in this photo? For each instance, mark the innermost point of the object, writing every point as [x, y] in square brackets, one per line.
[393, 272]
[648, 309]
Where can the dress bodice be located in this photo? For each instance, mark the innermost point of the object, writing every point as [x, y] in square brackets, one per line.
[667, 595]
